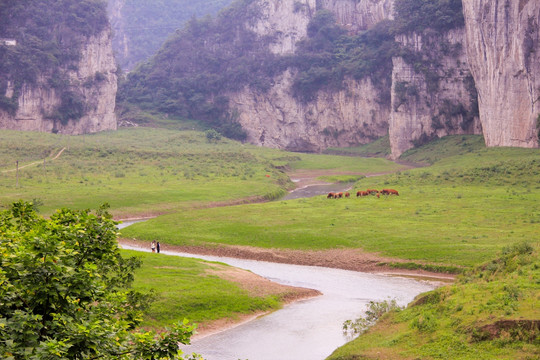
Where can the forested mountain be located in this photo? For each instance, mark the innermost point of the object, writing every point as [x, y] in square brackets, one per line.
[56, 61]
[141, 26]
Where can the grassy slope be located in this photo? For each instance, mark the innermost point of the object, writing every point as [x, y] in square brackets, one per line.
[137, 171]
[460, 211]
[463, 321]
[145, 170]
[186, 287]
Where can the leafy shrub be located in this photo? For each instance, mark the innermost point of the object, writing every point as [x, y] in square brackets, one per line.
[375, 309]
[212, 135]
[418, 15]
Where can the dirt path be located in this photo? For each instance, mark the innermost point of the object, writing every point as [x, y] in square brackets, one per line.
[35, 162]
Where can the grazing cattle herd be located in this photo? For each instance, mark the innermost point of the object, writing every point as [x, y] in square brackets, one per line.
[360, 193]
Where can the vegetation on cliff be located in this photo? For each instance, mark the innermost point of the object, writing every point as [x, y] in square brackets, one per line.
[196, 68]
[210, 58]
[149, 23]
[49, 35]
[420, 15]
[329, 55]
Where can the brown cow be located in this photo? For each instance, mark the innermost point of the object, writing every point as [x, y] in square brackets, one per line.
[372, 191]
[389, 192]
[347, 195]
[331, 195]
[361, 193]
[339, 195]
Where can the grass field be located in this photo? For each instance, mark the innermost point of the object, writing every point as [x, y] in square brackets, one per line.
[460, 211]
[191, 288]
[141, 171]
[470, 204]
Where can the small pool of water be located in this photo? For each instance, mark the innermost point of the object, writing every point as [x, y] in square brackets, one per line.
[316, 190]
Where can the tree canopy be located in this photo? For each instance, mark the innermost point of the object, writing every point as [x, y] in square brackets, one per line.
[64, 291]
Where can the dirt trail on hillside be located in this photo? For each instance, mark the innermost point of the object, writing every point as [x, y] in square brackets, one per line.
[35, 162]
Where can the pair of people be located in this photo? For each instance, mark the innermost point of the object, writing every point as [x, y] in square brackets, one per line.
[155, 246]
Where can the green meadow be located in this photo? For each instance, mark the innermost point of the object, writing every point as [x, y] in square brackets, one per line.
[141, 171]
[466, 210]
[460, 211]
[491, 312]
[192, 288]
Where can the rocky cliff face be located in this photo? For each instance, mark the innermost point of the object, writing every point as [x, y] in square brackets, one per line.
[433, 92]
[334, 119]
[359, 15]
[285, 21]
[94, 83]
[354, 115]
[503, 45]
[120, 41]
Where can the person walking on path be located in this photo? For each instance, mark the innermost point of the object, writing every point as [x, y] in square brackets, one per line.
[158, 247]
[153, 246]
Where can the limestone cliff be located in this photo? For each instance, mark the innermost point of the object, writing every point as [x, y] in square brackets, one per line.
[276, 119]
[359, 15]
[347, 117]
[93, 84]
[284, 21]
[433, 93]
[503, 45]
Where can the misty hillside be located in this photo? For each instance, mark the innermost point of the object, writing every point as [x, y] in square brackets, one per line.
[141, 27]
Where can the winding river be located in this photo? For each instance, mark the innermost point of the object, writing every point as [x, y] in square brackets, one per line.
[308, 329]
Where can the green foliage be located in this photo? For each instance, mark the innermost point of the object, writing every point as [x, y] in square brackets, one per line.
[419, 15]
[64, 291]
[149, 24]
[212, 135]
[328, 55]
[72, 106]
[375, 309]
[49, 38]
[538, 125]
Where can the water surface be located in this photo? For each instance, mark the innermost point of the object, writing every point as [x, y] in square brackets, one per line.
[309, 329]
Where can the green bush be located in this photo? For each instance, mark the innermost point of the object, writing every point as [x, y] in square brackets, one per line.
[419, 15]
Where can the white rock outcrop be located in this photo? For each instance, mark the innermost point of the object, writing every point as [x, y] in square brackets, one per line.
[285, 21]
[503, 46]
[361, 14]
[351, 116]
